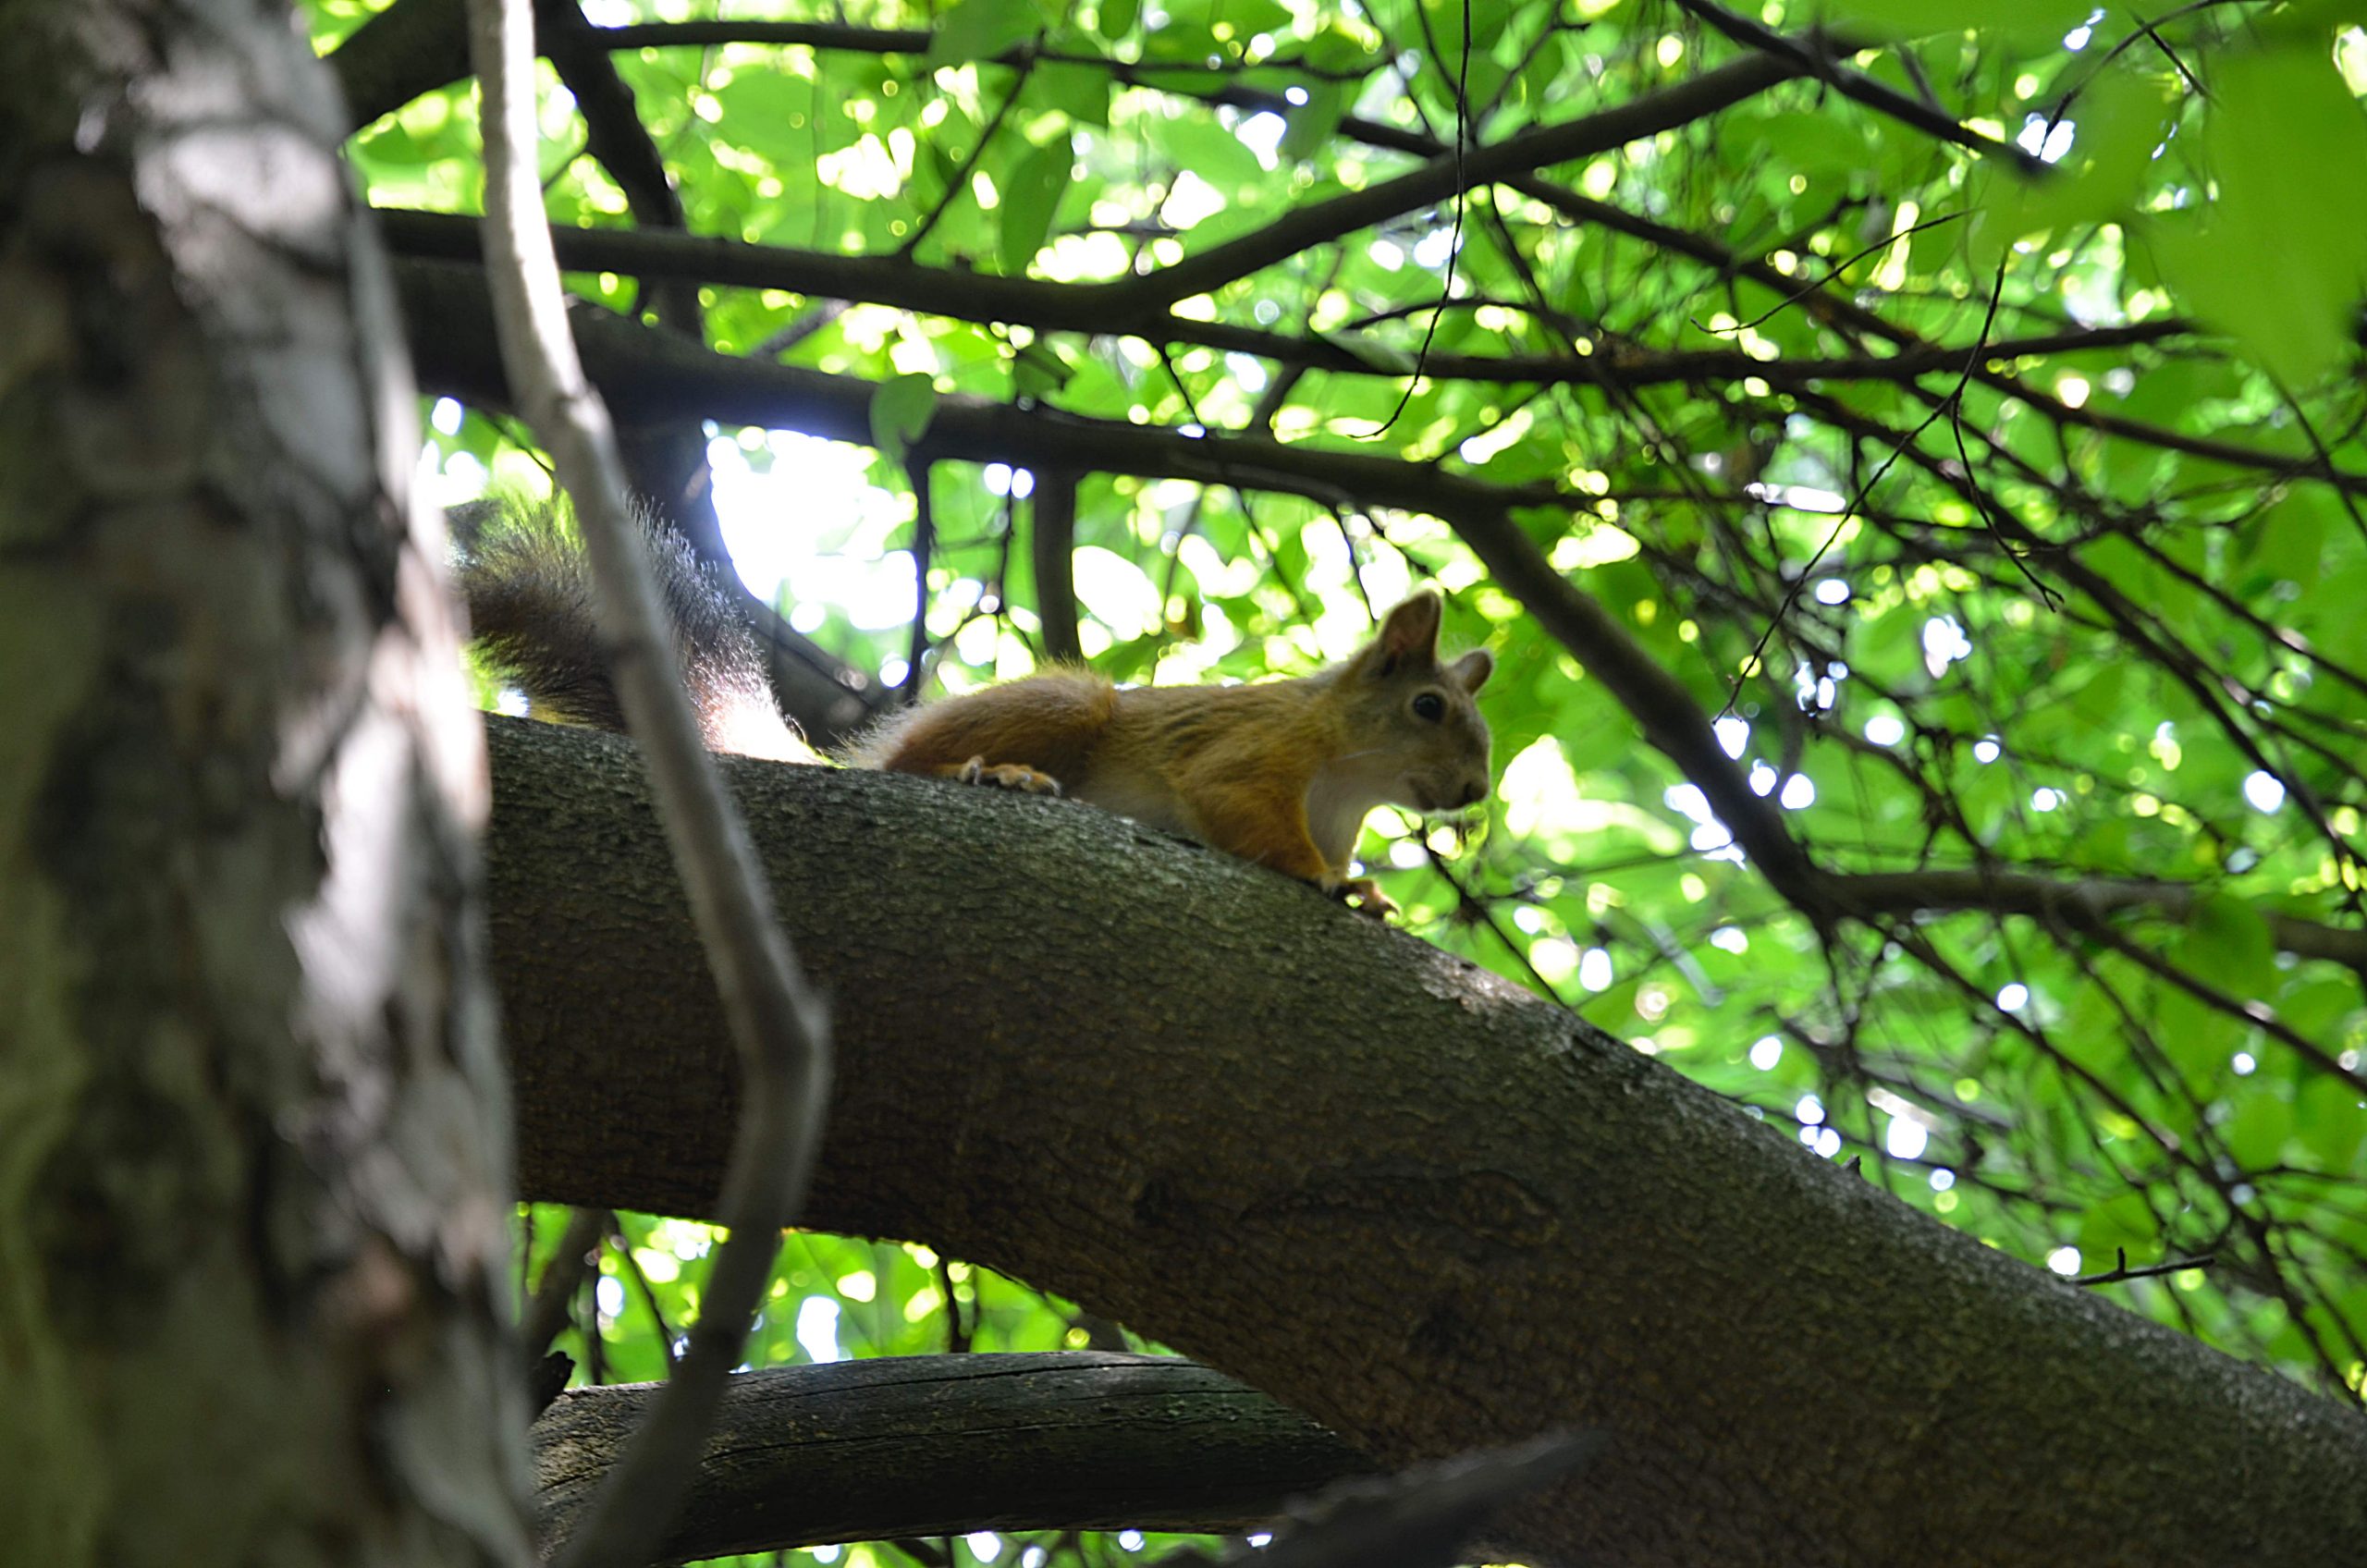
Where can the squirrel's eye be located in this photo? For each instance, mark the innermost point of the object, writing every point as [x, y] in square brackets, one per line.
[1430, 705]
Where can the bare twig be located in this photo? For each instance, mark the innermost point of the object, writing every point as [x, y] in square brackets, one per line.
[1422, 1517]
[2121, 1270]
[1822, 59]
[569, 1266]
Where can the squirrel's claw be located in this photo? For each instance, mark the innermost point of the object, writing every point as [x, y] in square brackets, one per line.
[1008, 776]
[1364, 895]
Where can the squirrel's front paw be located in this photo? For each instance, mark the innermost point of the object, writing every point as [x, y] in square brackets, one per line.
[1008, 776]
[1364, 895]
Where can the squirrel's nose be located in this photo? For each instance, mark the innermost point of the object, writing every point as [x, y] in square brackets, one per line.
[1474, 790]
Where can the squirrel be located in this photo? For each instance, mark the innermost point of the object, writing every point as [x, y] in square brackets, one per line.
[1282, 773]
[1279, 773]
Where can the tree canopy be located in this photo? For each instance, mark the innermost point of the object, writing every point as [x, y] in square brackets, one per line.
[1907, 460]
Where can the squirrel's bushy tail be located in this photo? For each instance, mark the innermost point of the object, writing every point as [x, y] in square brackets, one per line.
[530, 612]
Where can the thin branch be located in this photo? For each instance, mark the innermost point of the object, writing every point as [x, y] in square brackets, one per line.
[823, 36]
[2120, 1270]
[778, 1025]
[1816, 57]
[667, 1337]
[958, 181]
[2002, 891]
[1441, 176]
[569, 1266]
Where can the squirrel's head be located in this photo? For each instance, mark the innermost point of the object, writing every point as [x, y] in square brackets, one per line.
[1424, 742]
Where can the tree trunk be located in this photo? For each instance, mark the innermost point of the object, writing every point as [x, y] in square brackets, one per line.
[252, 1175]
[1419, 1204]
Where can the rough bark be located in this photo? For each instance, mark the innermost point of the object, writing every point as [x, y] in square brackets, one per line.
[1421, 1206]
[947, 1444]
[253, 1174]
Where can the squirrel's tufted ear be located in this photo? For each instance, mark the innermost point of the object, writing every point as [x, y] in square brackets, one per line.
[1471, 672]
[1410, 633]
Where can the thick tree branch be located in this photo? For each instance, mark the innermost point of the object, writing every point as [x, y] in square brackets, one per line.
[1377, 1184]
[399, 53]
[413, 46]
[948, 1444]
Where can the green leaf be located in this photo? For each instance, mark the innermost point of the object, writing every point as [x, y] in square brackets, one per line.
[1040, 370]
[1080, 92]
[2331, 1123]
[2317, 1006]
[1808, 143]
[2256, 1133]
[2098, 701]
[900, 412]
[1543, 70]
[1115, 19]
[1181, 40]
[1211, 151]
[980, 30]
[1030, 199]
[1336, 46]
[2119, 562]
[2227, 946]
[2288, 540]
[2092, 1034]
[1246, 17]
[1313, 122]
[2122, 1222]
[2199, 1037]
[2278, 255]
[774, 115]
[2118, 123]
[1917, 19]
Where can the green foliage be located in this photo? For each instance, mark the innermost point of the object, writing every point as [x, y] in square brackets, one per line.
[1989, 515]
[831, 1298]
[2275, 261]
[900, 411]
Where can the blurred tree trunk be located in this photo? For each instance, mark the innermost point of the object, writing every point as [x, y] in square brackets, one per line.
[253, 1172]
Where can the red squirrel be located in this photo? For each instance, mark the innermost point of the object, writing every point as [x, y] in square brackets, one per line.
[1281, 773]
